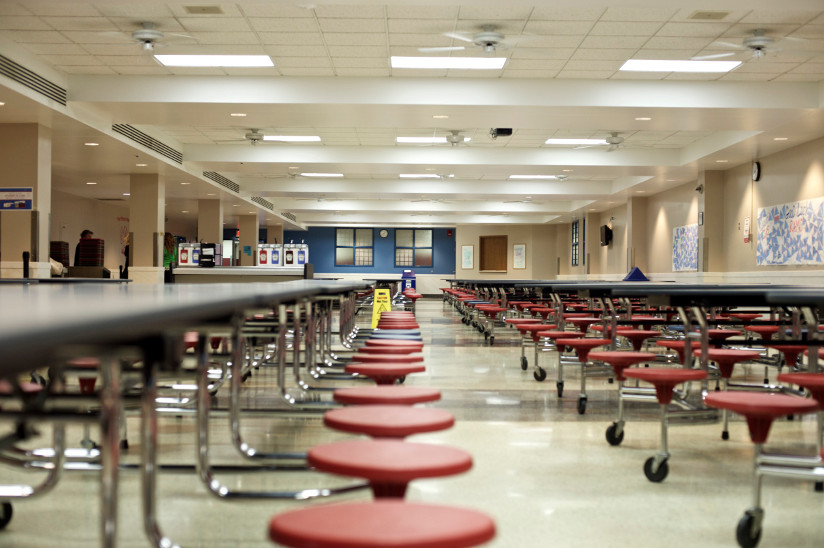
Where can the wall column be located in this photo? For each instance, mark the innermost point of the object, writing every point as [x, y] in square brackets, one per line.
[248, 226]
[210, 221]
[637, 232]
[25, 162]
[146, 226]
[711, 204]
[274, 234]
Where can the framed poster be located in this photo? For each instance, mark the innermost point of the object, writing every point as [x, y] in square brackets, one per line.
[519, 256]
[468, 257]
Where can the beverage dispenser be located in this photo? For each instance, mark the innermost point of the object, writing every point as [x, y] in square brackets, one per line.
[295, 254]
[188, 254]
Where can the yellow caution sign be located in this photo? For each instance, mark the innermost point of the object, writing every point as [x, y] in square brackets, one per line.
[381, 303]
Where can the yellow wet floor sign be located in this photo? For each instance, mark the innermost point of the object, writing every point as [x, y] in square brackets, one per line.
[381, 303]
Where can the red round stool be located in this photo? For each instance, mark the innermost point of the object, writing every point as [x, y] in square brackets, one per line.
[357, 357]
[386, 394]
[543, 311]
[743, 316]
[582, 348]
[388, 343]
[491, 312]
[645, 320]
[531, 329]
[390, 349]
[760, 410]
[664, 380]
[583, 322]
[388, 421]
[540, 373]
[620, 360]
[389, 465]
[636, 337]
[675, 345]
[608, 331]
[517, 321]
[379, 524]
[766, 331]
[722, 334]
[385, 372]
[791, 353]
[814, 382]
[726, 358]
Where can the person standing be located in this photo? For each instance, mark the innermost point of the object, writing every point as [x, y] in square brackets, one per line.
[85, 235]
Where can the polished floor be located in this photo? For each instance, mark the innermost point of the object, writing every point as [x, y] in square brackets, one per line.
[544, 472]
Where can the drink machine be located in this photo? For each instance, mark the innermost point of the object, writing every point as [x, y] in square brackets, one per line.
[188, 254]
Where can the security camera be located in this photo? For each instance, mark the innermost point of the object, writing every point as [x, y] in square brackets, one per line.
[699, 189]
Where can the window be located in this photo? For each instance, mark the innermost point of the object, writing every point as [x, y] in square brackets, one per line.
[353, 247]
[413, 247]
[578, 242]
[492, 257]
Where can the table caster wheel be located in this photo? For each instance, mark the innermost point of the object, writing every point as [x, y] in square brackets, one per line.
[524, 363]
[401, 379]
[539, 374]
[582, 405]
[5, 514]
[612, 437]
[124, 445]
[725, 435]
[658, 475]
[560, 387]
[745, 533]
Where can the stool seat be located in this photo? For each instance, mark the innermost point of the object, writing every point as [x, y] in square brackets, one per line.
[534, 328]
[391, 394]
[665, 379]
[766, 331]
[83, 363]
[383, 343]
[644, 319]
[790, 351]
[396, 358]
[583, 322]
[384, 372]
[555, 334]
[760, 408]
[608, 331]
[388, 421]
[620, 360]
[544, 311]
[582, 346]
[638, 336]
[814, 382]
[379, 524]
[521, 321]
[389, 465]
[675, 345]
[726, 358]
[743, 316]
[396, 349]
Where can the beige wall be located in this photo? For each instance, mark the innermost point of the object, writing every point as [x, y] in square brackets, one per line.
[665, 211]
[541, 250]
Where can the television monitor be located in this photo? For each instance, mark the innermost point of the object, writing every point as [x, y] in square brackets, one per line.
[606, 235]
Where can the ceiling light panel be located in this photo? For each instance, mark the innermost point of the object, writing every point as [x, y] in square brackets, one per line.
[469, 63]
[215, 60]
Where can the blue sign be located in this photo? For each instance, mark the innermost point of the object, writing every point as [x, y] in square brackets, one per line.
[16, 199]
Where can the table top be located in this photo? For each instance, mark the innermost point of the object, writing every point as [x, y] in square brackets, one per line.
[38, 319]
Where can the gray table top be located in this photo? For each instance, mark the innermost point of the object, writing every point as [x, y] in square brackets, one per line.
[38, 319]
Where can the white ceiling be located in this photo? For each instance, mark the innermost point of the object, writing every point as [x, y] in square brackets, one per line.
[332, 78]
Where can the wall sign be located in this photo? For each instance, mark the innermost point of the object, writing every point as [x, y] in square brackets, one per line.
[791, 233]
[16, 199]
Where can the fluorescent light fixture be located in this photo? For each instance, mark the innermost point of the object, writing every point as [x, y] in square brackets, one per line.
[665, 65]
[90, 144]
[643, 119]
[126, 194]
[440, 116]
[426, 140]
[780, 138]
[238, 114]
[292, 138]
[721, 161]
[321, 174]
[90, 183]
[141, 165]
[419, 176]
[533, 177]
[470, 63]
[215, 60]
[576, 142]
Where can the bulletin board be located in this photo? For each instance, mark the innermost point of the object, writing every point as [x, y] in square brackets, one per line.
[685, 248]
[791, 233]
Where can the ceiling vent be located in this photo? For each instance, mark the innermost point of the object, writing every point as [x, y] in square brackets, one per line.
[222, 181]
[203, 10]
[708, 15]
[32, 80]
[148, 141]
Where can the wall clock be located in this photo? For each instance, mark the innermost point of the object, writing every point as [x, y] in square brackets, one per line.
[383, 233]
[756, 171]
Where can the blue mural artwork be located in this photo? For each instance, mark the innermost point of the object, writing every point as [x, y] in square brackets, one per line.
[685, 248]
[791, 233]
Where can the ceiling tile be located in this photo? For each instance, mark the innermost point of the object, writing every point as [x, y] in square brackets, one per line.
[140, 70]
[296, 51]
[37, 37]
[303, 71]
[608, 42]
[85, 69]
[421, 12]
[361, 62]
[495, 13]
[780, 16]
[665, 42]
[80, 23]
[584, 54]
[272, 9]
[535, 64]
[12, 22]
[358, 51]
[291, 38]
[223, 24]
[638, 14]
[350, 12]
[61, 8]
[711, 30]
[420, 26]
[127, 60]
[573, 64]
[557, 28]
[585, 74]
[515, 73]
[64, 60]
[354, 39]
[536, 41]
[624, 28]
[229, 9]
[420, 40]
[217, 38]
[352, 25]
[542, 53]
[55, 49]
[577, 13]
[308, 62]
[796, 77]
[284, 25]
[139, 11]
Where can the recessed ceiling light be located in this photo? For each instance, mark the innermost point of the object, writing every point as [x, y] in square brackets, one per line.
[235, 205]
[185, 211]
[440, 116]
[294, 167]
[292, 138]
[419, 176]
[126, 194]
[576, 142]
[471, 63]
[721, 161]
[2, 104]
[211, 194]
[566, 170]
[141, 165]
[780, 138]
[425, 140]
[643, 119]
[90, 183]
[215, 60]
[322, 174]
[672, 65]
[533, 177]
[238, 114]
[91, 144]
[183, 183]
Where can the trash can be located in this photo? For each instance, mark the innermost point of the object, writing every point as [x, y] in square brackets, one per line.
[408, 278]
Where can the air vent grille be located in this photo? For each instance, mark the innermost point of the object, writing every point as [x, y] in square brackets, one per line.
[289, 216]
[32, 80]
[148, 141]
[708, 15]
[263, 202]
[222, 181]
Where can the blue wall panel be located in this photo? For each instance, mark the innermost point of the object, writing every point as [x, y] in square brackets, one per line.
[321, 241]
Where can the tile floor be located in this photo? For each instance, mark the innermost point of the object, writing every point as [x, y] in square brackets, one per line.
[544, 472]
